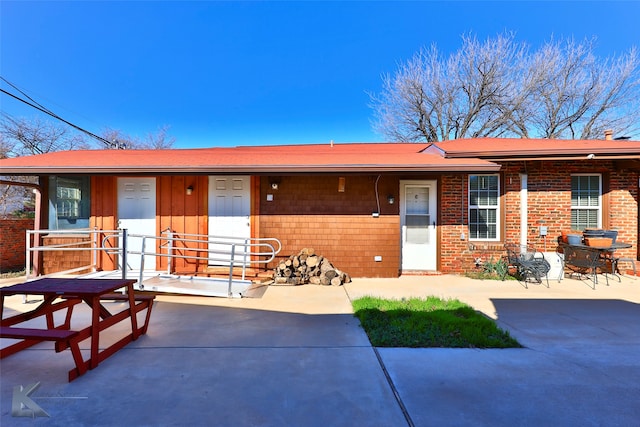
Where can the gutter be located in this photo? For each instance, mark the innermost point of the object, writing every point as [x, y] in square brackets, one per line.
[581, 156]
[596, 156]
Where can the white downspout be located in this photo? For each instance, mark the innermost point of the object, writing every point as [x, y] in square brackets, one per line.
[524, 208]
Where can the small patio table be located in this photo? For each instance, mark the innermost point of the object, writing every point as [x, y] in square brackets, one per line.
[65, 293]
[586, 260]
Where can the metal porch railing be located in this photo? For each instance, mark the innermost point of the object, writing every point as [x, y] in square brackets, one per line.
[220, 250]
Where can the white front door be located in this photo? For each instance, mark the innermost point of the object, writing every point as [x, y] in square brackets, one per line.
[229, 216]
[418, 222]
[137, 214]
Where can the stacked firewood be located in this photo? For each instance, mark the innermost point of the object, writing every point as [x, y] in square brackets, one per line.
[308, 268]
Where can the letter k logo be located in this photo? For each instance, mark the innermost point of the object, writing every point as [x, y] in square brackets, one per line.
[22, 405]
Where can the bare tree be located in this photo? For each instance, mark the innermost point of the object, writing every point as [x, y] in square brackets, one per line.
[36, 136]
[498, 88]
[158, 141]
[12, 198]
[22, 137]
[578, 96]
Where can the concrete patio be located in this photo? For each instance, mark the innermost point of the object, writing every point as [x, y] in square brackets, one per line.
[297, 356]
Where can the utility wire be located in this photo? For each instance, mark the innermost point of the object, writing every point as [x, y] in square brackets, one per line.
[26, 95]
[45, 110]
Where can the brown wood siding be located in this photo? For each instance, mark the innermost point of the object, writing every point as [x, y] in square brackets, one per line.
[255, 215]
[175, 210]
[56, 261]
[104, 210]
[310, 212]
[183, 214]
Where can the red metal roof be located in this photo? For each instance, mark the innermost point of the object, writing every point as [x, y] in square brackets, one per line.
[457, 155]
[372, 157]
[501, 148]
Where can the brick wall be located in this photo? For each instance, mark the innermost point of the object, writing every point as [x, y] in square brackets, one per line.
[13, 243]
[309, 212]
[623, 212]
[456, 254]
[549, 200]
[549, 204]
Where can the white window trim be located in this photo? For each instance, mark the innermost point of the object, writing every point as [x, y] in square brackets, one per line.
[599, 208]
[497, 207]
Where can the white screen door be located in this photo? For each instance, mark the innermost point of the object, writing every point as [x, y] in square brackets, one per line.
[418, 222]
[229, 215]
[137, 213]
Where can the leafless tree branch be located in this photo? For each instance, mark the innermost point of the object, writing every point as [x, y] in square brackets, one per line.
[497, 87]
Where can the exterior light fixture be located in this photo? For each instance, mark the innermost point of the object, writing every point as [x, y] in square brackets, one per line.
[341, 184]
[391, 199]
[274, 182]
[189, 190]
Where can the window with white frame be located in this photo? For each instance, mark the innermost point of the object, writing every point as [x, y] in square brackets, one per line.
[484, 191]
[585, 201]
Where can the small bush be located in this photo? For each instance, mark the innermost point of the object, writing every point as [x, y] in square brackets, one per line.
[497, 268]
[491, 270]
[12, 274]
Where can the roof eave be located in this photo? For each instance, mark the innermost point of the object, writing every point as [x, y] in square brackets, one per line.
[252, 169]
[540, 155]
[587, 156]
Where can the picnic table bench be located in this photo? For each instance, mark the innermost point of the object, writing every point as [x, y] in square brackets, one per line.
[63, 338]
[66, 293]
[57, 335]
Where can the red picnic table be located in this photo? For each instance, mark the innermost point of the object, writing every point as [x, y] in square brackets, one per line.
[65, 293]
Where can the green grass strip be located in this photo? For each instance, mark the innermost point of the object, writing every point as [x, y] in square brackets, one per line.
[428, 322]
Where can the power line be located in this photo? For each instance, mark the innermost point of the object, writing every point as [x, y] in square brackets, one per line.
[50, 113]
[25, 94]
[39, 107]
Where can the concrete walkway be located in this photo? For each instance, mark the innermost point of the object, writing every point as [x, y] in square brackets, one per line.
[297, 356]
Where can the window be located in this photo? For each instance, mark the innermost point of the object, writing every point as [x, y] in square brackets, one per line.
[417, 215]
[585, 201]
[68, 202]
[484, 193]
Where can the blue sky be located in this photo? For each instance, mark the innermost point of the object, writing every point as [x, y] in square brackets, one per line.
[250, 73]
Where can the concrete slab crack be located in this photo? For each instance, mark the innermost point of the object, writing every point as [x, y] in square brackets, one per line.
[396, 395]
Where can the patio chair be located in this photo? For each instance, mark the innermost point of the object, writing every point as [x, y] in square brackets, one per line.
[530, 265]
[618, 260]
[588, 262]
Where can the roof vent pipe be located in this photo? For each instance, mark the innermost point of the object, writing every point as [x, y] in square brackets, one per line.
[608, 134]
